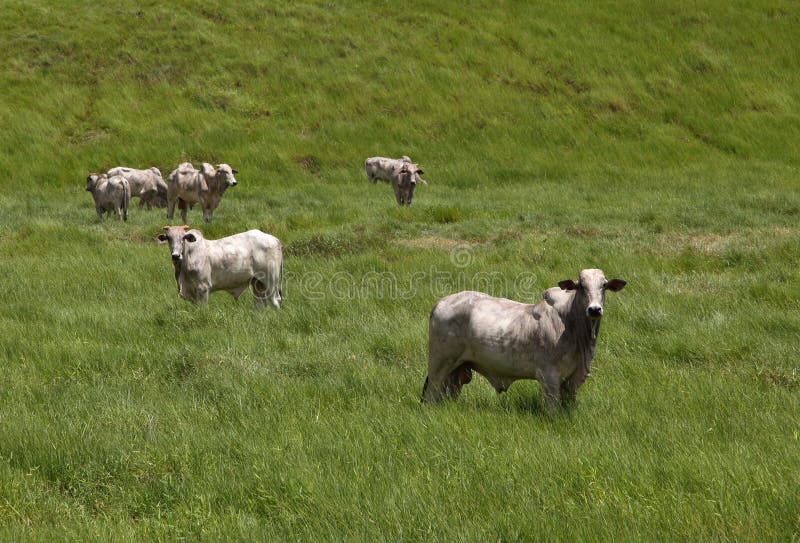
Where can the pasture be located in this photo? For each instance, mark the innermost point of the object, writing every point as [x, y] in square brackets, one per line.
[659, 143]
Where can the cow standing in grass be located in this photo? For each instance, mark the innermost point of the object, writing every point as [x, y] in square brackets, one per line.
[147, 185]
[401, 173]
[110, 194]
[503, 340]
[187, 186]
[233, 263]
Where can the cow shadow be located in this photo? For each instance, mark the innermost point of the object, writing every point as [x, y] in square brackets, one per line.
[527, 400]
[533, 404]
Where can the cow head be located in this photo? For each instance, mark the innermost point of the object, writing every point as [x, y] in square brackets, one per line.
[92, 180]
[411, 173]
[174, 236]
[223, 173]
[591, 289]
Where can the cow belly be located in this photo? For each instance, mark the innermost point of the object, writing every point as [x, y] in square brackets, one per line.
[231, 275]
[190, 198]
[501, 359]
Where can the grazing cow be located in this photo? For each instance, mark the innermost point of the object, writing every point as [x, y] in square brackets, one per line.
[147, 185]
[187, 186]
[401, 173]
[251, 258]
[110, 194]
[503, 340]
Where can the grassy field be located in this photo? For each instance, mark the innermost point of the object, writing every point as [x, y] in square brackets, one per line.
[659, 143]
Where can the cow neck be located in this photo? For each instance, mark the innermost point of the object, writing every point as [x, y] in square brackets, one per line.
[192, 257]
[586, 331]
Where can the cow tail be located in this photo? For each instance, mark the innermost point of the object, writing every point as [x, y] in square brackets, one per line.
[126, 201]
[280, 281]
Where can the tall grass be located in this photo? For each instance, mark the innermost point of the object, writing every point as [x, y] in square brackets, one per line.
[659, 143]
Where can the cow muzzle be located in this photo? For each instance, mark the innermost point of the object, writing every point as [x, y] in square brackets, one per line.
[594, 311]
[176, 257]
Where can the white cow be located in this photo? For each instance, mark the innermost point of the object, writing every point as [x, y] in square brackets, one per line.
[148, 185]
[110, 194]
[187, 186]
[401, 173]
[503, 340]
[233, 263]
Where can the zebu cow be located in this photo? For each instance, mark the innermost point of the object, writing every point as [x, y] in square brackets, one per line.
[187, 186]
[174, 235]
[233, 263]
[401, 173]
[553, 341]
[110, 194]
[147, 185]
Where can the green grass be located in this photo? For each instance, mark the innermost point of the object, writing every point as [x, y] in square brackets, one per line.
[659, 143]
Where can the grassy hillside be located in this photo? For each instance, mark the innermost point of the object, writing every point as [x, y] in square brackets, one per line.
[658, 143]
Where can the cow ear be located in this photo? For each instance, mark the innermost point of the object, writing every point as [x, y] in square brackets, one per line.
[568, 284]
[191, 238]
[420, 172]
[234, 171]
[162, 238]
[615, 285]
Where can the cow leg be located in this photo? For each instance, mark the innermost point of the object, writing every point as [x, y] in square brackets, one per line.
[552, 396]
[398, 195]
[568, 393]
[171, 208]
[440, 382]
[146, 198]
[425, 388]
[238, 291]
[99, 212]
[551, 390]
[569, 388]
[184, 208]
[201, 296]
[431, 392]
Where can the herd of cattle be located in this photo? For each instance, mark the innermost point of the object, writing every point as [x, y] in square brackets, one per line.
[112, 191]
[552, 341]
